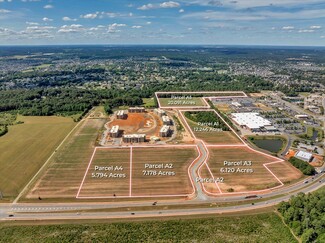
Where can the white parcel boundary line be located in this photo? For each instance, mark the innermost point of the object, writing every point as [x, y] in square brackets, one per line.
[244, 145]
[84, 178]
[244, 95]
[141, 196]
[130, 184]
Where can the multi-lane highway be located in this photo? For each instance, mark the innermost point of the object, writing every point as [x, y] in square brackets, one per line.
[56, 211]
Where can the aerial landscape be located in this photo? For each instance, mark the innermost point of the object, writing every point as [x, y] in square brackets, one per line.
[176, 121]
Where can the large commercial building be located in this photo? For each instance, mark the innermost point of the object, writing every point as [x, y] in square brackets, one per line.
[251, 120]
[308, 157]
[165, 131]
[114, 132]
[134, 138]
[121, 114]
[136, 109]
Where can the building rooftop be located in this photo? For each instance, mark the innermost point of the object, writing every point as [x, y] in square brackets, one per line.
[252, 120]
[165, 128]
[304, 155]
[160, 111]
[165, 118]
[114, 129]
[134, 135]
[120, 112]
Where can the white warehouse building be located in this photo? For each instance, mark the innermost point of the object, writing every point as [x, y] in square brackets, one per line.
[305, 156]
[250, 120]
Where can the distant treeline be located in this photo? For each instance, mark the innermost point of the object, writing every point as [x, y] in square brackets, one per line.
[60, 100]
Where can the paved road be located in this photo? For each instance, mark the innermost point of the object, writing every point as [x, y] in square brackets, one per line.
[56, 210]
[200, 195]
[151, 213]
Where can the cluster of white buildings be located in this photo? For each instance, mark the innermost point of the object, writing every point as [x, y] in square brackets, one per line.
[165, 131]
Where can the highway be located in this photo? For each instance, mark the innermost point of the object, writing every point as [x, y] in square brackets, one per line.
[47, 212]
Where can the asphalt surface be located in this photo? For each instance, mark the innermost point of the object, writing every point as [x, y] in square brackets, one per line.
[47, 212]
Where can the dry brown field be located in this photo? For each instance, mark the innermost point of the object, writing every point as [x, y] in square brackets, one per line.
[65, 171]
[108, 174]
[259, 179]
[171, 178]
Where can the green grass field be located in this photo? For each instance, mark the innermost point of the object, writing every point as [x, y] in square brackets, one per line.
[26, 147]
[148, 102]
[266, 227]
[63, 176]
[195, 101]
[213, 137]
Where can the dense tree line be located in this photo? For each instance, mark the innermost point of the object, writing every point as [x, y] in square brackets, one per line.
[62, 101]
[305, 214]
[303, 166]
[3, 130]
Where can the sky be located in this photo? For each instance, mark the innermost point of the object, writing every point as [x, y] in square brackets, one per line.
[216, 22]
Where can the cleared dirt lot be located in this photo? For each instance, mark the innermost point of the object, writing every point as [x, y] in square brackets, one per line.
[240, 177]
[162, 170]
[108, 175]
[147, 123]
[285, 172]
[26, 147]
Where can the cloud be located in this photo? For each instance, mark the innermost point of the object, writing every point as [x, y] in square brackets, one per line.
[7, 32]
[89, 16]
[101, 15]
[5, 11]
[315, 27]
[113, 28]
[147, 7]
[243, 4]
[136, 27]
[68, 19]
[288, 27]
[306, 31]
[39, 29]
[47, 19]
[48, 6]
[74, 28]
[169, 4]
[181, 11]
[32, 23]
